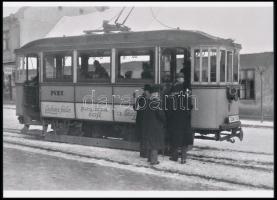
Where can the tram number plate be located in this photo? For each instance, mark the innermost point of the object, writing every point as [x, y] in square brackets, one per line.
[233, 118]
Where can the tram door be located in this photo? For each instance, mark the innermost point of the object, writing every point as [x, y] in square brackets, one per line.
[31, 87]
[174, 61]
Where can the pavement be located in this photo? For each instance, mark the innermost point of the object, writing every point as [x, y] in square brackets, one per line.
[257, 123]
[245, 122]
[51, 173]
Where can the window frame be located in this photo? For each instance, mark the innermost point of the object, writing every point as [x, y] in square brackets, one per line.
[226, 66]
[94, 80]
[201, 66]
[6, 39]
[192, 65]
[226, 49]
[175, 70]
[238, 60]
[210, 66]
[209, 48]
[130, 81]
[25, 67]
[246, 79]
[65, 53]
[37, 67]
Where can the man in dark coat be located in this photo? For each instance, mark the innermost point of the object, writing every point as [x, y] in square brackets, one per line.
[153, 126]
[140, 106]
[179, 119]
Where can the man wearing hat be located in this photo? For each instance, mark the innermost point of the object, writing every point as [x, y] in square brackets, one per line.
[140, 106]
[179, 119]
[153, 125]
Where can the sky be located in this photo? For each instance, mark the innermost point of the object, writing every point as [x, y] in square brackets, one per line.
[252, 27]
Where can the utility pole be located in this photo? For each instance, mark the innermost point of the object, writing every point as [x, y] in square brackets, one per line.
[261, 70]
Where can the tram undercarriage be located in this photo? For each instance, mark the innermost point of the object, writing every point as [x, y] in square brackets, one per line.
[226, 132]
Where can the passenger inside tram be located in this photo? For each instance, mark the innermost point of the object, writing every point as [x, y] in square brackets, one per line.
[100, 71]
[92, 71]
[128, 74]
[147, 72]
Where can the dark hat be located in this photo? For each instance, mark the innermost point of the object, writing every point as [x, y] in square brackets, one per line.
[96, 62]
[147, 87]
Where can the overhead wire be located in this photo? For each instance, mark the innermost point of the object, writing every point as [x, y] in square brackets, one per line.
[161, 23]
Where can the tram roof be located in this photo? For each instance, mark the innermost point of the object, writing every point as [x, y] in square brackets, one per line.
[178, 38]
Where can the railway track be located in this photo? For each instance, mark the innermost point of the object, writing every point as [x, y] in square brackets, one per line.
[259, 166]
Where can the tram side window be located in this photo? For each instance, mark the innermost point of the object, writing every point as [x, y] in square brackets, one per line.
[166, 69]
[235, 67]
[205, 64]
[94, 65]
[213, 56]
[229, 66]
[196, 65]
[136, 64]
[58, 67]
[222, 65]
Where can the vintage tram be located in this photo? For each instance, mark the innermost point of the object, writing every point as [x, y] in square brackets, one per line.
[84, 85]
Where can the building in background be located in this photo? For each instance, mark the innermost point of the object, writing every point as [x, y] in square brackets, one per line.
[11, 41]
[26, 25]
[252, 103]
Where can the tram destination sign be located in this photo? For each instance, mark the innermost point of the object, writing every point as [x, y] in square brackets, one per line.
[233, 118]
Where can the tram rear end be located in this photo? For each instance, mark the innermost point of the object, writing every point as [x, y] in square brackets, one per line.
[216, 113]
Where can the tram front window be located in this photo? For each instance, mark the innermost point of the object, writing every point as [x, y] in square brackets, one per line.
[229, 66]
[205, 64]
[213, 65]
[136, 64]
[222, 65]
[94, 65]
[235, 67]
[196, 65]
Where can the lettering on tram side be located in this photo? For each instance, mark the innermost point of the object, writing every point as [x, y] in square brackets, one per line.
[57, 109]
[97, 108]
[124, 113]
[94, 111]
[56, 92]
